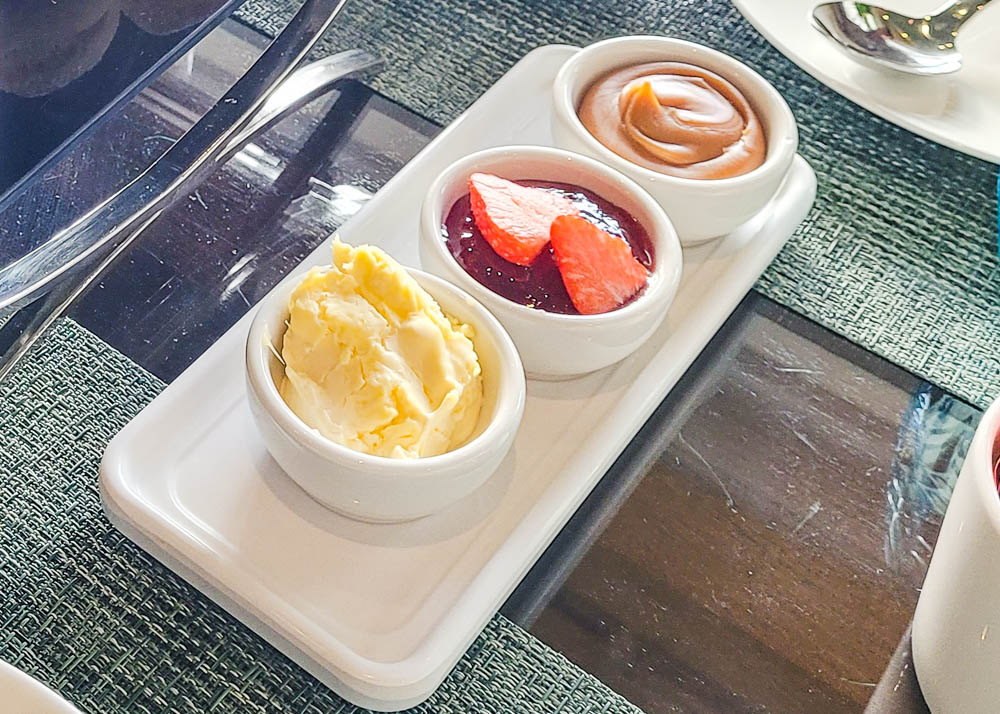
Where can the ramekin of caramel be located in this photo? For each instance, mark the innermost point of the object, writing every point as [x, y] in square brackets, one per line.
[707, 136]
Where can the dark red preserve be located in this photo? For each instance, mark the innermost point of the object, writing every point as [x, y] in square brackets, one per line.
[538, 285]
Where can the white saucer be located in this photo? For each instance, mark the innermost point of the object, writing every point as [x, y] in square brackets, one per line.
[21, 694]
[960, 110]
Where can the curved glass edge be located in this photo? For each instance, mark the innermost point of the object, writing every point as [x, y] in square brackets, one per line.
[197, 33]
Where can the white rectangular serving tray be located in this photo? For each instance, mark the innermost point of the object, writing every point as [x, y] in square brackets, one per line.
[381, 613]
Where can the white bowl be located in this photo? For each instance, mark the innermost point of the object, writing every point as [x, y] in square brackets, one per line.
[378, 488]
[555, 346]
[701, 209]
[956, 627]
[23, 693]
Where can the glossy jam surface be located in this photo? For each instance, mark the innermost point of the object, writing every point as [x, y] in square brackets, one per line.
[675, 118]
[538, 285]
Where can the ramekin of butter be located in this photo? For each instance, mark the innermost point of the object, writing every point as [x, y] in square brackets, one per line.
[384, 392]
[707, 136]
[552, 344]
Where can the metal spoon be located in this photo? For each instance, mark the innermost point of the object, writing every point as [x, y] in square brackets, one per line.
[916, 45]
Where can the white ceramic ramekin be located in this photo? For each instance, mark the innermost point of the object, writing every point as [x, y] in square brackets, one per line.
[700, 209]
[377, 488]
[956, 628]
[555, 346]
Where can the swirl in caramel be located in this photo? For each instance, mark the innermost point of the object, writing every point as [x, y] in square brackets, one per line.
[675, 118]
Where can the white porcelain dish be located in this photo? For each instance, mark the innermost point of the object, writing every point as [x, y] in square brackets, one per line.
[960, 110]
[956, 627]
[22, 694]
[699, 209]
[555, 346]
[381, 613]
[376, 488]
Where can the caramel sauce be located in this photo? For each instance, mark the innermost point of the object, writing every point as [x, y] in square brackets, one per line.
[675, 118]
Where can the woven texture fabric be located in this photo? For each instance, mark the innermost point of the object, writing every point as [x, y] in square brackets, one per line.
[92, 615]
[898, 254]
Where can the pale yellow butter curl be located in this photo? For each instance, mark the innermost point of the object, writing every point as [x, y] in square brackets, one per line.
[371, 361]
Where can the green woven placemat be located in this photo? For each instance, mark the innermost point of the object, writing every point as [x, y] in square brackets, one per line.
[898, 254]
[89, 613]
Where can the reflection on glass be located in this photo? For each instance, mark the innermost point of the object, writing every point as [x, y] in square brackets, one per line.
[933, 438]
[62, 62]
[46, 45]
[160, 17]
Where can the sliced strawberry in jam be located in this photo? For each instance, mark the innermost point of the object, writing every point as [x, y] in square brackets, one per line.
[515, 219]
[598, 269]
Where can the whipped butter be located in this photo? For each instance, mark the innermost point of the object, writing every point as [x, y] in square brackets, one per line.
[372, 362]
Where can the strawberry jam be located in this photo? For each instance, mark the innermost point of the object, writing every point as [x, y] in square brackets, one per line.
[539, 285]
